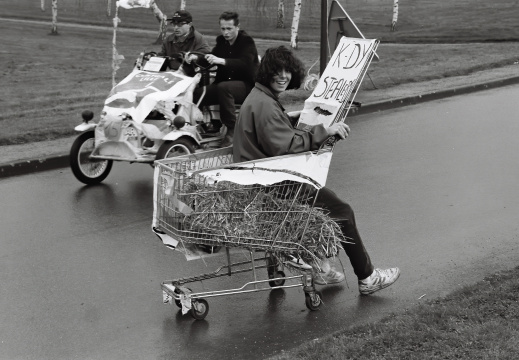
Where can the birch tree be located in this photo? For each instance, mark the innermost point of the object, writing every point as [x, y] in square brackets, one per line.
[182, 4]
[295, 23]
[42, 5]
[395, 15]
[163, 20]
[281, 14]
[54, 28]
[108, 8]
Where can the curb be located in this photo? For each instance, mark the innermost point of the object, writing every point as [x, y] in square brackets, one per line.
[53, 162]
[31, 166]
[412, 100]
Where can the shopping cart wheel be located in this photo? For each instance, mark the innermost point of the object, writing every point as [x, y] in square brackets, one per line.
[177, 302]
[199, 309]
[277, 282]
[313, 301]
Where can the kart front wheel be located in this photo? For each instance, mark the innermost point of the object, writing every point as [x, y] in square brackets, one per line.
[86, 170]
[181, 146]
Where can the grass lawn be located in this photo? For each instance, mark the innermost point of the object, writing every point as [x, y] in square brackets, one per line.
[477, 322]
[422, 21]
[50, 85]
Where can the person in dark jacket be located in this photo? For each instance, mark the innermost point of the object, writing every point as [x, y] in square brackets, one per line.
[236, 57]
[264, 130]
[183, 40]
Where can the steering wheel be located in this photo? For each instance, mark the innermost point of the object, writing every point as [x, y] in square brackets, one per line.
[201, 62]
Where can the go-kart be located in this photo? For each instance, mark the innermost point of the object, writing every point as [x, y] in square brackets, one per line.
[149, 115]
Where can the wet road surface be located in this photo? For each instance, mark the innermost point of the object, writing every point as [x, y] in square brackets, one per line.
[435, 191]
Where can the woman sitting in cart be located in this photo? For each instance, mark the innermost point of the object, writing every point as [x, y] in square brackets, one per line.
[264, 129]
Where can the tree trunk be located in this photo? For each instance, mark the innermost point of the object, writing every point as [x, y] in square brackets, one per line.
[116, 58]
[42, 5]
[54, 29]
[163, 20]
[395, 15]
[281, 14]
[182, 4]
[295, 23]
[108, 8]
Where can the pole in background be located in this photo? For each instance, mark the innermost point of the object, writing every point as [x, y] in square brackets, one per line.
[324, 35]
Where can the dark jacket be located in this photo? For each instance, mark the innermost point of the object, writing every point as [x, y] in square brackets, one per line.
[193, 42]
[265, 130]
[241, 59]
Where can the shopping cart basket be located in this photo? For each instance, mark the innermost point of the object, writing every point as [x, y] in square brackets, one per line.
[204, 201]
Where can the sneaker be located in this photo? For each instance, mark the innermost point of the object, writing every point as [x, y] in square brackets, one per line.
[297, 262]
[379, 280]
[332, 276]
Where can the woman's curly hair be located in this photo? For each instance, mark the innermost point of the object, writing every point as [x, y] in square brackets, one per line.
[277, 59]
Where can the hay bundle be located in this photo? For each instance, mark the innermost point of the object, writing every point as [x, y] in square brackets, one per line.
[262, 217]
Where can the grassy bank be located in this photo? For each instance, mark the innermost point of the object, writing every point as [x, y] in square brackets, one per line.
[46, 89]
[477, 322]
[418, 21]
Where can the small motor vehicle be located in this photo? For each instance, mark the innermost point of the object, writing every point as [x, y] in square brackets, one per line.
[149, 115]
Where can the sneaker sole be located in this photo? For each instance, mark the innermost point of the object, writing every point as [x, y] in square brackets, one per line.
[383, 286]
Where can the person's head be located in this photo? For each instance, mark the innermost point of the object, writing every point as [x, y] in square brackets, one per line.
[229, 25]
[280, 70]
[181, 22]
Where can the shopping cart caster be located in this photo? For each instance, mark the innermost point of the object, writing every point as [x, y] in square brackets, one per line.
[313, 300]
[178, 292]
[199, 309]
[277, 282]
[177, 302]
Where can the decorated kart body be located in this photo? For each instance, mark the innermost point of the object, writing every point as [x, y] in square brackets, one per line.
[149, 115]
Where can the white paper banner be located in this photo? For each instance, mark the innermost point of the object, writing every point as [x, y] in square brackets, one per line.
[130, 4]
[274, 170]
[138, 93]
[337, 82]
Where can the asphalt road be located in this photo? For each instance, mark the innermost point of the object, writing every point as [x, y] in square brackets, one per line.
[435, 191]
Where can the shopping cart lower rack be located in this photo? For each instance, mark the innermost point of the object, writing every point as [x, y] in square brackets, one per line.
[204, 203]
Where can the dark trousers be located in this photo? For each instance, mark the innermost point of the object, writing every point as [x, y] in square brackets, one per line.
[225, 94]
[343, 214]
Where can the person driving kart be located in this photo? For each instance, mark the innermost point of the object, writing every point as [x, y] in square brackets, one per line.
[183, 40]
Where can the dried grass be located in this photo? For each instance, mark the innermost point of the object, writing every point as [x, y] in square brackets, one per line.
[276, 217]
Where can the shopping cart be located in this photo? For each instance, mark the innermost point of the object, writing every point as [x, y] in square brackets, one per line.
[205, 203]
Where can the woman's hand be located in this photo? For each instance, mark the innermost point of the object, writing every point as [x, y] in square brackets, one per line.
[340, 129]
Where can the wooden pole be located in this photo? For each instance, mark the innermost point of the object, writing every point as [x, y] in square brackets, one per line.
[324, 35]
[114, 49]
[54, 28]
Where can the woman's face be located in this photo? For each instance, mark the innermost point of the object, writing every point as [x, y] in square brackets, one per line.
[280, 81]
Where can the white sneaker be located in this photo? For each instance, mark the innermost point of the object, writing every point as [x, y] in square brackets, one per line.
[297, 262]
[332, 276]
[379, 280]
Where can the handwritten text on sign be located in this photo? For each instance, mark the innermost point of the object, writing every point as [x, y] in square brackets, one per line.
[338, 80]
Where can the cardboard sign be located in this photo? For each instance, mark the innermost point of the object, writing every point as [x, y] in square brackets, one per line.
[347, 65]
